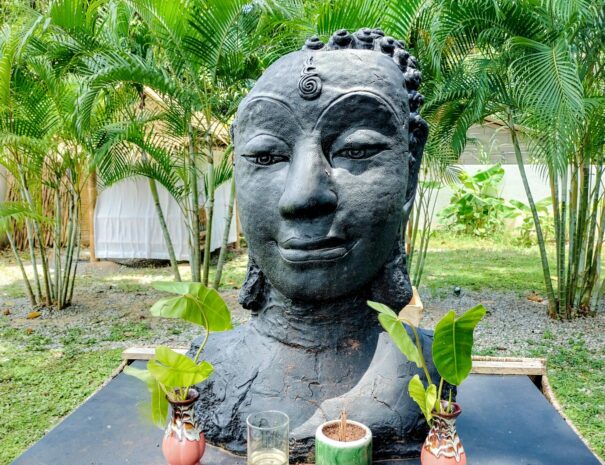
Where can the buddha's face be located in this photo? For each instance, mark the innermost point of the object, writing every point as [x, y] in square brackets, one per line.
[321, 179]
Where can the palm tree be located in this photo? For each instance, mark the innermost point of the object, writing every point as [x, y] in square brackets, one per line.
[517, 64]
[41, 152]
[199, 55]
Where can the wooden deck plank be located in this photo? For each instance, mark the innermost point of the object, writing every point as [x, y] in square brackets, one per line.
[481, 365]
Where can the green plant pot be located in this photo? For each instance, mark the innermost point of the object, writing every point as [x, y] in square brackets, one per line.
[331, 452]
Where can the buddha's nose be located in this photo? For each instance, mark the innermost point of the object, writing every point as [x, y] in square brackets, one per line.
[309, 191]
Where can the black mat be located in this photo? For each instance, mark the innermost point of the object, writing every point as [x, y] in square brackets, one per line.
[505, 421]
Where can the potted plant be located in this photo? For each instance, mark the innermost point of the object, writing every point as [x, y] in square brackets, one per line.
[452, 348]
[171, 377]
[343, 442]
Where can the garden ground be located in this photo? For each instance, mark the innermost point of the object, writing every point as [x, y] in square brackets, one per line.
[50, 364]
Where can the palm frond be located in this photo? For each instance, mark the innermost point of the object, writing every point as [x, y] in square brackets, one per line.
[547, 77]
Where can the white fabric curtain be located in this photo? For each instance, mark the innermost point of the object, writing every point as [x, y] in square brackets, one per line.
[127, 226]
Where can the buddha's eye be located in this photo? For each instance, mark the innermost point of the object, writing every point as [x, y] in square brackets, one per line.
[266, 159]
[359, 153]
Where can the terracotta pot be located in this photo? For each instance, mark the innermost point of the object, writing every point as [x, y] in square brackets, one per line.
[184, 443]
[331, 452]
[442, 445]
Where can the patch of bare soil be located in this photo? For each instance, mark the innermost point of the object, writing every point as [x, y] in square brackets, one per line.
[352, 432]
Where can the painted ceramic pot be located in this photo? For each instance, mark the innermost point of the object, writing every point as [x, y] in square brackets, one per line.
[442, 445]
[184, 443]
[331, 452]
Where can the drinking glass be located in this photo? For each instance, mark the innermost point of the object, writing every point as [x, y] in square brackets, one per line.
[268, 434]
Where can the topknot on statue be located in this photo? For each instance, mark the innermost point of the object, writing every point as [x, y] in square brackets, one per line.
[374, 39]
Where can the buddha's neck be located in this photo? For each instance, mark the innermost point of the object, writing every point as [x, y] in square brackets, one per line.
[319, 326]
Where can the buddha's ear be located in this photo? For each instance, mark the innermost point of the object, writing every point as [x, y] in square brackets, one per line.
[253, 294]
[418, 134]
[392, 285]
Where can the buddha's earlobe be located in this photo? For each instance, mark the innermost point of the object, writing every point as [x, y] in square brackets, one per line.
[392, 285]
[253, 294]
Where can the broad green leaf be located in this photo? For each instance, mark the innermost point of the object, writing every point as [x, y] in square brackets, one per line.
[425, 399]
[382, 308]
[158, 406]
[196, 303]
[453, 344]
[176, 287]
[401, 338]
[431, 398]
[175, 370]
[493, 174]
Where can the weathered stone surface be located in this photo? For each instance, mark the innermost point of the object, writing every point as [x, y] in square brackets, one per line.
[328, 146]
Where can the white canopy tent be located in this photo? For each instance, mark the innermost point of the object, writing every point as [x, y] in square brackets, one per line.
[126, 223]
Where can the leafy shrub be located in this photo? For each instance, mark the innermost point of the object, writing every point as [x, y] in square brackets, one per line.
[526, 232]
[476, 206]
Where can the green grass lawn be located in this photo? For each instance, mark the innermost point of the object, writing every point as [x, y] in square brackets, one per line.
[577, 376]
[39, 386]
[477, 264]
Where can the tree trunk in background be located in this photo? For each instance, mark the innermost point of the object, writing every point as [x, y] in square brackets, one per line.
[167, 239]
[210, 212]
[223, 255]
[57, 249]
[28, 287]
[238, 227]
[194, 207]
[552, 302]
[92, 196]
[38, 236]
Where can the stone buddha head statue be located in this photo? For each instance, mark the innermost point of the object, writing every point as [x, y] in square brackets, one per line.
[328, 146]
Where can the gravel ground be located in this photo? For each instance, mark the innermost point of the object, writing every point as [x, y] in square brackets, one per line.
[107, 312]
[112, 302]
[514, 325]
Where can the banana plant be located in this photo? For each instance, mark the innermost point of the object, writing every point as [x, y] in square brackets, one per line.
[169, 375]
[452, 349]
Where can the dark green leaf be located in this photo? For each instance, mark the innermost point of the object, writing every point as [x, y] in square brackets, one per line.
[453, 344]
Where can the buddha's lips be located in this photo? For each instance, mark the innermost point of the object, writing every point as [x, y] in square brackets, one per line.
[308, 250]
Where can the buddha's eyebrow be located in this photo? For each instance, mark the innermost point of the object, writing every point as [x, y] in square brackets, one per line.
[268, 98]
[271, 99]
[379, 99]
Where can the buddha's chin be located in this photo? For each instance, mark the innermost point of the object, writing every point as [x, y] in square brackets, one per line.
[328, 281]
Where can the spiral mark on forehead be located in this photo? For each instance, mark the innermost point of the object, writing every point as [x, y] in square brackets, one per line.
[309, 84]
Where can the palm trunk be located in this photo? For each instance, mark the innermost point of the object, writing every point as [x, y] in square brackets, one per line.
[552, 303]
[31, 241]
[562, 302]
[223, 254]
[415, 226]
[33, 259]
[194, 207]
[579, 274]
[38, 235]
[165, 232]
[426, 235]
[592, 271]
[78, 239]
[92, 195]
[28, 287]
[594, 298]
[554, 190]
[153, 188]
[57, 250]
[71, 238]
[210, 188]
